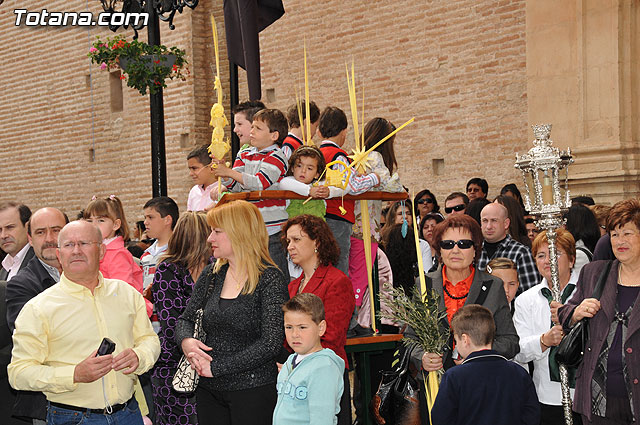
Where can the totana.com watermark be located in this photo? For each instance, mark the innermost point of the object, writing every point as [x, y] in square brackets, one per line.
[45, 18]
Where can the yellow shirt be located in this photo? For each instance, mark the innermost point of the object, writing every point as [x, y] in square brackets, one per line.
[63, 325]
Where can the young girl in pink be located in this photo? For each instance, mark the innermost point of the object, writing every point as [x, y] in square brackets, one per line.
[108, 215]
[382, 161]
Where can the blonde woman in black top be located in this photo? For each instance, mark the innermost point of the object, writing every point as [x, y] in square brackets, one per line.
[242, 318]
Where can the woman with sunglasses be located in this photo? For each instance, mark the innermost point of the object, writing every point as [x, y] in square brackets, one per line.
[424, 203]
[458, 242]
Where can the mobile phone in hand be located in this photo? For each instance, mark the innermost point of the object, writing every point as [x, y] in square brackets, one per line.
[106, 347]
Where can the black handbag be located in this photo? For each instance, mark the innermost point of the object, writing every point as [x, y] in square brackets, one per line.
[396, 401]
[572, 347]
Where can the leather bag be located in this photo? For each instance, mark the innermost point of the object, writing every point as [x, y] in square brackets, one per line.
[572, 347]
[185, 380]
[396, 401]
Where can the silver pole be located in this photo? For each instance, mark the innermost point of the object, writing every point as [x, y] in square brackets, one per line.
[555, 290]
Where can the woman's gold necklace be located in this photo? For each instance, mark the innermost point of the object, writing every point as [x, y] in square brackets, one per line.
[239, 284]
[620, 277]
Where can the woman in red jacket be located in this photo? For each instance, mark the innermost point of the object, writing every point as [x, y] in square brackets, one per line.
[313, 248]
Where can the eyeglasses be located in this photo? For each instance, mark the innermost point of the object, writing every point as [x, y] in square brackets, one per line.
[541, 256]
[462, 244]
[424, 201]
[458, 208]
[69, 246]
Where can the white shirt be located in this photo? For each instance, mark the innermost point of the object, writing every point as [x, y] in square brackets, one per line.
[427, 260]
[149, 261]
[200, 198]
[53, 272]
[12, 264]
[581, 257]
[532, 318]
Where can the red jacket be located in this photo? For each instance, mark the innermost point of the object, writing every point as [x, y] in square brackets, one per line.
[336, 292]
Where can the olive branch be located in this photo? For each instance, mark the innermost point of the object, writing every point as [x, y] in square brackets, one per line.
[423, 315]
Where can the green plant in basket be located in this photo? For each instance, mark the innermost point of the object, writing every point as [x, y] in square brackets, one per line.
[144, 67]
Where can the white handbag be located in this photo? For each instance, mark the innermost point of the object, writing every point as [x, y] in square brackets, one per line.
[185, 380]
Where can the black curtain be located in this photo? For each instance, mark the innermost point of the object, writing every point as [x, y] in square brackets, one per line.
[243, 20]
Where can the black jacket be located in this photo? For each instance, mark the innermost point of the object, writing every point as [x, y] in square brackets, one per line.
[28, 256]
[245, 337]
[486, 389]
[29, 282]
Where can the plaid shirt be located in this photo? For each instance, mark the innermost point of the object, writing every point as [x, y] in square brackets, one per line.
[519, 254]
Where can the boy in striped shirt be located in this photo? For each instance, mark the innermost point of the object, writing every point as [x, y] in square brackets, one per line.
[260, 167]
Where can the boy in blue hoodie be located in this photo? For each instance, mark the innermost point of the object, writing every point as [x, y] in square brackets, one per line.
[310, 382]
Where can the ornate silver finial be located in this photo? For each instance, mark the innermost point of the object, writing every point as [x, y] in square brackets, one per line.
[541, 131]
[540, 166]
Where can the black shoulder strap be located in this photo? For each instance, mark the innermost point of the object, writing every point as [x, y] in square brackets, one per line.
[428, 282]
[597, 290]
[484, 291]
[588, 253]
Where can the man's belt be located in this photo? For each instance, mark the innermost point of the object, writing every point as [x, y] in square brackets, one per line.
[114, 408]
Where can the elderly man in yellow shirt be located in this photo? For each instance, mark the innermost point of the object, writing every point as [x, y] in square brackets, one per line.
[58, 332]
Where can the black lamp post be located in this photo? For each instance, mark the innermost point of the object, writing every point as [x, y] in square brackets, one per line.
[165, 10]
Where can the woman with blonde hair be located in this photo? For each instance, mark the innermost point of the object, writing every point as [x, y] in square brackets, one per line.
[241, 296]
[188, 252]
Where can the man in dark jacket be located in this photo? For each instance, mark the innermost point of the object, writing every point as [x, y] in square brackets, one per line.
[41, 271]
[13, 238]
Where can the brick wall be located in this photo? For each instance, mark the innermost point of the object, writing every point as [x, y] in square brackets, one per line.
[51, 117]
[457, 66]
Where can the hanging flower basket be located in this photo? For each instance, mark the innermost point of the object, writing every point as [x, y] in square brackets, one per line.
[143, 66]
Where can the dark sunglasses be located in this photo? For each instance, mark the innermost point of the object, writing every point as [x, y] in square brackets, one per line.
[456, 208]
[462, 244]
[424, 201]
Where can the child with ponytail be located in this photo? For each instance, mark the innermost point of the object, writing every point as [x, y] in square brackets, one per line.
[108, 215]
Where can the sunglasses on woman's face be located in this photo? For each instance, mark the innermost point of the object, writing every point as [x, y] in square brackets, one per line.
[462, 244]
[424, 201]
[458, 207]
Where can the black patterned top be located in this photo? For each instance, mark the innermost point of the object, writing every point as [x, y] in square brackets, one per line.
[171, 290]
[246, 337]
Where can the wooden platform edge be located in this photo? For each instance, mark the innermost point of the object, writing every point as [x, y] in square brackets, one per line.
[374, 339]
[286, 194]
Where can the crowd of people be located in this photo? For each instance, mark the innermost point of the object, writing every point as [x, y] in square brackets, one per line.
[96, 318]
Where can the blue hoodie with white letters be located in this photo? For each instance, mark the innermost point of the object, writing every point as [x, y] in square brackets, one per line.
[310, 392]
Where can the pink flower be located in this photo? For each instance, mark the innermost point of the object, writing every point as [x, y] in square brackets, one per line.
[103, 66]
[93, 49]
